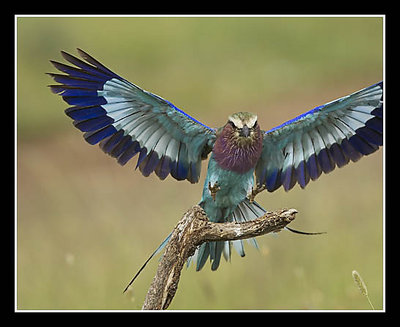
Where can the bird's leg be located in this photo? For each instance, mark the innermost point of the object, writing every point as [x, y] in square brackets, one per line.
[257, 189]
[213, 189]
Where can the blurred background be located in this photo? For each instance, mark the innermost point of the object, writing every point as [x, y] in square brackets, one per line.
[85, 224]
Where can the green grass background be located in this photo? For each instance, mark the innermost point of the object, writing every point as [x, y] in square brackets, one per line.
[85, 224]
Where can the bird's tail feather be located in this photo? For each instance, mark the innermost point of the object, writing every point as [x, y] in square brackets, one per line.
[245, 211]
[160, 247]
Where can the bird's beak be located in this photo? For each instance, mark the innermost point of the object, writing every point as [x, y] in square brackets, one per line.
[245, 131]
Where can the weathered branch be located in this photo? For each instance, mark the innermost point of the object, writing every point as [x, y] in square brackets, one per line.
[191, 231]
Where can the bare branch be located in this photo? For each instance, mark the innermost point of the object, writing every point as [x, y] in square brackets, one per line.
[194, 229]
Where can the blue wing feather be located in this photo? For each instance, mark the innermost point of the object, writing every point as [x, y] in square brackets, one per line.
[127, 120]
[317, 141]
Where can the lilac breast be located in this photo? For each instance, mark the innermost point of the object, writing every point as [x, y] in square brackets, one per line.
[235, 153]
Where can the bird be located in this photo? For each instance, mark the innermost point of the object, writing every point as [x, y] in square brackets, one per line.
[243, 159]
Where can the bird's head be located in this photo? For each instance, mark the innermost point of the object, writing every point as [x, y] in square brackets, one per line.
[244, 124]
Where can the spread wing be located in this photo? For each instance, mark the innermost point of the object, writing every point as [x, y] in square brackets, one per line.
[330, 135]
[127, 120]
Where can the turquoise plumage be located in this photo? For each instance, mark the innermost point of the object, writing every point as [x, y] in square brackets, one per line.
[127, 121]
[230, 203]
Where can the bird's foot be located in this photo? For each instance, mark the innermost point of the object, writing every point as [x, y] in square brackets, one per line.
[213, 189]
[257, 189]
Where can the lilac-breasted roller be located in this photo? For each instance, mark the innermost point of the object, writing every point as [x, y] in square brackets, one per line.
[127, 121]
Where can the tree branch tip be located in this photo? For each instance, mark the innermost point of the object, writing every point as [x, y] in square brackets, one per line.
[290, 214]
[194, 229]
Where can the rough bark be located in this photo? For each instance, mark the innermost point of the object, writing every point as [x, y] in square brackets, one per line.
[192, 230]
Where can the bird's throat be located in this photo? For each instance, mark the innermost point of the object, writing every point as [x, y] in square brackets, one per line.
[239, 154]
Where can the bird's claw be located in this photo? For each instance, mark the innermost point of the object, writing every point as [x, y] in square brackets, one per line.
[257, 189]
[213, 189]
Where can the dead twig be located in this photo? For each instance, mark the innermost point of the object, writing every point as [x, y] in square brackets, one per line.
[192, 230]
